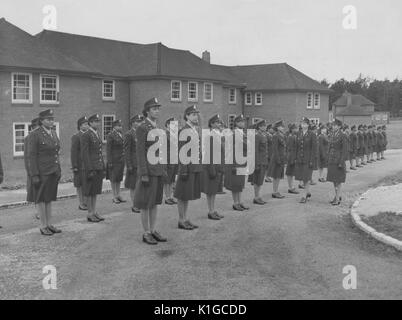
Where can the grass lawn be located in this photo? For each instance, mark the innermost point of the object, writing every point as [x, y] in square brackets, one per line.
[389, 223]
[394, 133]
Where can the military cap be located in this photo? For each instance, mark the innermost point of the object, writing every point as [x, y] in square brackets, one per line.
[337, 123]
[215, 118]
[278, 124]
[35, 122]
[364, 126]
[116, 123]
[168, 121]
[259, 123]
[384, 127]
[239, 118]
[81, 121]
[370, 126]
[360, 127]
[94, 118]
[137, 118]
[292, 126]
[345, 127]
[353, 127]
[269, 126]
[305, 120]
[46, 114]
[379, 128]
[151, 103]
[190, 110]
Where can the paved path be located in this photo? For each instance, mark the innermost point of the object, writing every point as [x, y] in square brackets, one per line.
[283, 250]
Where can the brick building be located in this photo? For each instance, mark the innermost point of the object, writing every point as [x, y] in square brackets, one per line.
[79, 75]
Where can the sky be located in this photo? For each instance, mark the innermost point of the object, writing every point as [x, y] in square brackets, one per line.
[309, 35]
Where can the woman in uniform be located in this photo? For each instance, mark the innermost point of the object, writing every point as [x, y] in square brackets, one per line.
[269, 133]
[172, 144]
[360, 149]
[322, 153]
[44, 165]
[115, 160]
[212, 172]
[291, 146]
[188, 186]
[261, 161]
[149, 189]
[278, 158]
[380, 142]
[130, 154]
[234, 182]
[338, 153]
[385, 141]
[305, 157]
[353, 146]
[365, 146]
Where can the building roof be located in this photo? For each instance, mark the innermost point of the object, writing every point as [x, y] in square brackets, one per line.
[20, 49]
[353, 111]
[357, 100]
[353, 105]
[77, 53]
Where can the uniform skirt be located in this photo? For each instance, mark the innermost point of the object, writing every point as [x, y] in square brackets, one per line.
[93, 187]
[360, 152]
[171, 174]
[189, 189]
[77, 179]
[303, 172]
[47, 191]
[258, 177]
[30, 190]
[335, 174]
[290, 170]
[276, 171]
[322, 163]
[210, 186]
[234, 182]
[131, 179]
[115, 174]
[147, 197]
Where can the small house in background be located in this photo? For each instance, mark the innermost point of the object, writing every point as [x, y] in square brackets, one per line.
[353, 109]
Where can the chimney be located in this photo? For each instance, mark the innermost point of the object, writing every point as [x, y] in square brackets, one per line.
[206, 56]
[348, 99]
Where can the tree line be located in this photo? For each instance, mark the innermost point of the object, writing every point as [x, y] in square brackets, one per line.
[386, 94]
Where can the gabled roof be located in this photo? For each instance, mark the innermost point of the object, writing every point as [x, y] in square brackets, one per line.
[280, 76]
[20, 49]
[357, 100]
[353, 111]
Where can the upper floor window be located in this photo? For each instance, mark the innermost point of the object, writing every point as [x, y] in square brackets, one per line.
[192, 91]
[49, 88]
[107, 125]
[258, 99]
[248, 99]
[317, 99]
[208, 92]
[21, 84]
[232, 96]
[176, 91]
[108, 90]
[309, 100]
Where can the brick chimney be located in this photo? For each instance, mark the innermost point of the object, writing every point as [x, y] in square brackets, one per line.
[206, 56]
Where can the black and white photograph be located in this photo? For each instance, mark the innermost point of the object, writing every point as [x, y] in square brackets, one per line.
[219, 151]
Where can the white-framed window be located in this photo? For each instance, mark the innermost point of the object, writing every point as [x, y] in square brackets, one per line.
[21, 84]
[108, 90]
[208, 92]
[248, 99]
[107, 125]
[175, 94]
[231, 120]
[309, 100]
[20, 131]
[232, 96]
[317, 101]
[49, 89]
[255, 120]
[192, 91]
[316, 121]
[258, 99]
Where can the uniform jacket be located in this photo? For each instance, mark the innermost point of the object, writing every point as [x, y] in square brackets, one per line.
[191, 167]
[369, 140]
[269, 145]
[338, 148]
[144, 167]
[43, 153]
[385, 139]
[380, 140]
[291, 148]
[130, 149]
[373, 139]
[360, 141]
[115, 148]
[354, 142]
[75, 154]
[306, 148]
[365, 141]
[261, 149]
[323, 147]
[91, 151]
[26, 151]
[278, 149]
[214, 169]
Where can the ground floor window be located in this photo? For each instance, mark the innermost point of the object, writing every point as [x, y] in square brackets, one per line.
[231, 121]
[107, 126]
[315, 121]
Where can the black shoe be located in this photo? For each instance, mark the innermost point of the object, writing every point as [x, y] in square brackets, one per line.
[46, 232]
[53, 229]
[116, 201]
[149, 239]
[353, 168]
[213, 216]
[268, 180]
[93, 219]
[219, 215]
[313, 183]
[158, 237]
[308, 196]
[259, 202]
[135, 210]
[121, 200]
[277, 196]
[293, 191]
[244, 207]
[83, 208]
[237, 207]
[185, 226]
[301, 186]
[169, 202]
[303, 200]
[192, 225]
[99, 217]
